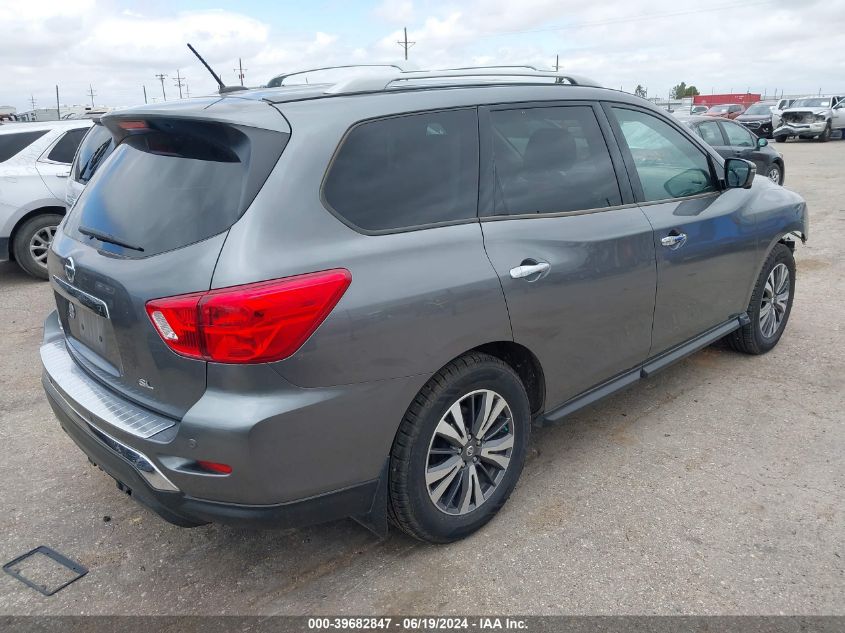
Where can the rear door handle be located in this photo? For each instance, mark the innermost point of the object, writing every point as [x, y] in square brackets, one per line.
[674, 240]
[521, 272]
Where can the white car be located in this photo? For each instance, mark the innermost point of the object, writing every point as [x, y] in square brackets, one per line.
[35, 161]
[812, 117]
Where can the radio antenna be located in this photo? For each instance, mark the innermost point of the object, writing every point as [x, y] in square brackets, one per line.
[223, 87]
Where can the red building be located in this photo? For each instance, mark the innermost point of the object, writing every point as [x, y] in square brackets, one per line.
[745, 98]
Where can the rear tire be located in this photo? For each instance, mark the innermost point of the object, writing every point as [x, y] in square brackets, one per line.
[771, 304]
[32, 242]
[440, 489]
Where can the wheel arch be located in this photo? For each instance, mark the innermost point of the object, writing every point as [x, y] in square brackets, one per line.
[526, 365]
[26, 217]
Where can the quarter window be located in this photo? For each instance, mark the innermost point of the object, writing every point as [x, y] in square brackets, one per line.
[13, 144]
[407, 171]
[668, 164]
[549, 160]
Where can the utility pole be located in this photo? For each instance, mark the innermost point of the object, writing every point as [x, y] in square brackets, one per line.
[58, 109]
[161, 77]
[406, 44]
[178, 82]
[240, 70]
[91, 94]
[557, 63]
[187, 90]
[32, 100]
[145, 92]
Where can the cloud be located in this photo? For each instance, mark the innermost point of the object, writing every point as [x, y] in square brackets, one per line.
[395, 11]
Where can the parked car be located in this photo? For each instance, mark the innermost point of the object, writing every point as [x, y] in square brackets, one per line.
[698, 109]
[777, 111]
[758, 118]
[812, 117]
[299, 304]
[732, 140]
[96, 146]
[34, 163]
[726, 111]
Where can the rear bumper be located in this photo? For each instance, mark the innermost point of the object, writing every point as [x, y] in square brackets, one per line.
[298, 456]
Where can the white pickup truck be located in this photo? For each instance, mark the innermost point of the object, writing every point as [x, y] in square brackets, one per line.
[812, 117]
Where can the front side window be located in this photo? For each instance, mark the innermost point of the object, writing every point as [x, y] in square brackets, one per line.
[14, 144]
[549, 160]
[738, 136]
[64, 150]
[668, 164]
[407, 171]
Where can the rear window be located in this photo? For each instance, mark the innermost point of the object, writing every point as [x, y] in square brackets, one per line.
[95, 148]
[64, 150]
[407, 171]
[12, 144]
[168, 187]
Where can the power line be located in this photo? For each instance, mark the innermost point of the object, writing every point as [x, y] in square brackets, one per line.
[240, 71]
[161, 77]
[178, 82]
[405, 43]
[91, 94]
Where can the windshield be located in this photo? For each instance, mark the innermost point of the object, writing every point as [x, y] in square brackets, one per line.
[760, 108]
[811, 103]
[722, 108]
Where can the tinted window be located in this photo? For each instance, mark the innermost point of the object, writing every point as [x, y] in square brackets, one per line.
[407, 171]
[549, 160]
[669, 164]
[64, 150]
[158, 192]
[95, 147]
[709, 131]
[738, 136]
[12, 144]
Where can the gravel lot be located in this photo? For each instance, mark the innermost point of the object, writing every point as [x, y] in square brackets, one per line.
[715, 487]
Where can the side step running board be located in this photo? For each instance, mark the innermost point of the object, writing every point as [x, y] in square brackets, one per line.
[651, 366]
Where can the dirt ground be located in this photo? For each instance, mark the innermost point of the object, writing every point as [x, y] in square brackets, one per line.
[715, 487]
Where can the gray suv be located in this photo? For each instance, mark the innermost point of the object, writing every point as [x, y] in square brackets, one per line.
[291, 305]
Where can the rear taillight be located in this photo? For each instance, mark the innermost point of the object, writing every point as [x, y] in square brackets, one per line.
[254, 323]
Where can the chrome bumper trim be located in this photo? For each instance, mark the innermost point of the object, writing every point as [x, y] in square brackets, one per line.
[84, 394]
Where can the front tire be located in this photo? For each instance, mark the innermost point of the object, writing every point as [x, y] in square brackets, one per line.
[32, 242]
[781, 139]
[459, 450]
[775, 173]
[824, 137]
[771, 304]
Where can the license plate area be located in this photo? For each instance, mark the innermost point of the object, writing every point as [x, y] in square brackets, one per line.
[93, 331]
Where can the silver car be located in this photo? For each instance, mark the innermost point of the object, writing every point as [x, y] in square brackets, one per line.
[291, 305]
[34, 164]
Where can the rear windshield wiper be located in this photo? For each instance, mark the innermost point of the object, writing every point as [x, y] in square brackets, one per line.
[111, 239]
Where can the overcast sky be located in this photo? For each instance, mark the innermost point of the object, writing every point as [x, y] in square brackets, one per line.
[118, 46]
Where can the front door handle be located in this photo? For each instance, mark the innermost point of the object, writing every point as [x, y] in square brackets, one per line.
[521, 272]
[674, 240]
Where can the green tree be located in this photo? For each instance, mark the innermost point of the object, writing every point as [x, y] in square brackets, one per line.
[640, 91]
[683, 90]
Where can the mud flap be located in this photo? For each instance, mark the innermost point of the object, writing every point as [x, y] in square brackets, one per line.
[376, 519]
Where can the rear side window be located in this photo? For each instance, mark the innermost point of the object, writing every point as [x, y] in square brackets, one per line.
[173, 185]
[95, 148]
[407, 171]
[668, 164]
[13, 144]
[709, 131]
[738, 136]
[64, 150]
[549, 160]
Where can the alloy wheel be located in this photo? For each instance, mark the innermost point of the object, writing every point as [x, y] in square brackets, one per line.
[774, 174]
[39, 244]
[775, 300]
[469, 452]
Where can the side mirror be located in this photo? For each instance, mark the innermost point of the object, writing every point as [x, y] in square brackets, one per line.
[761, 142]
[739, 173]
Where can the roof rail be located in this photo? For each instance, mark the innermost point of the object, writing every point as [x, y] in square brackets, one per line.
[468, 76]
[278, 80]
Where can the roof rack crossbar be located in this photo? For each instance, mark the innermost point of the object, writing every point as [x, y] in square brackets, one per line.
[377, 83]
